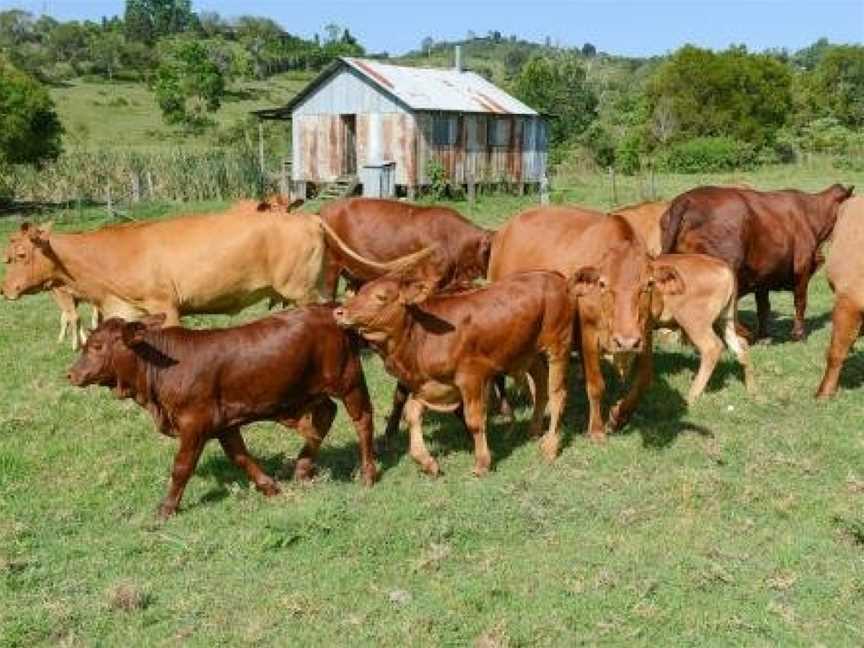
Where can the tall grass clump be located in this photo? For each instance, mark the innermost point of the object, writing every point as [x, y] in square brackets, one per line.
[131, 175]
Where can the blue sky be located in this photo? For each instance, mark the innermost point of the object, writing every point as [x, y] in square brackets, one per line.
[634, 27]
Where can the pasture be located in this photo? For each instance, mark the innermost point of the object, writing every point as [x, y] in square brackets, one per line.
[738, 521]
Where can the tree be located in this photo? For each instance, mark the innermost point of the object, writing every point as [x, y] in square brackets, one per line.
[732, 93]
[426, 45]
[836, 88]
[558, 87]
[188, 85]
[30, 131]
[810, 56]
[148, 20]
[589, 51]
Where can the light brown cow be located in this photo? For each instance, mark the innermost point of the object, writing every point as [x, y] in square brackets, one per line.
[709, 299]
[845, 270]
[614, 279]
[211, 263]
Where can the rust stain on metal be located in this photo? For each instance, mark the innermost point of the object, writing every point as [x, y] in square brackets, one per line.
[380, 78]
[495, 106]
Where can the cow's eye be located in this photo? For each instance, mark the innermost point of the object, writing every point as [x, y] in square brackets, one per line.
[381, 297]
[21, 254]
[602, 283]
[96, 346]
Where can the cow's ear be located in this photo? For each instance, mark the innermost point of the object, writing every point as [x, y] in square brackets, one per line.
[416, 291]
[263, 206]
[585, 281]
[850, 190]
[133, 334]
[152, 322]
[668, 280]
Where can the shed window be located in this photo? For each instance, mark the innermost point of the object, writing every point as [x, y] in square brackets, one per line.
[442, 134]
[499, 132]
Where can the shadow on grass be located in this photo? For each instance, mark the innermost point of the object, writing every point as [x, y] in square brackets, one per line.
[780, 326]
[852, 372]
[28, 208]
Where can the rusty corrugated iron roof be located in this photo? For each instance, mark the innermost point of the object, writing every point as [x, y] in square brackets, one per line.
[426, 89]
[440, 89]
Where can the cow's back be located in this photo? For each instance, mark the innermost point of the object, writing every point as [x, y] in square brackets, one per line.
[213, 263]
[845, 265]
[645, 219]
[544, 238]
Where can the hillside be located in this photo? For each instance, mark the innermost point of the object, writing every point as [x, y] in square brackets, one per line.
[101, 114]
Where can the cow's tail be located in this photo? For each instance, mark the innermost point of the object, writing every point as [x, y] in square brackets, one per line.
[670, 224]
[368, 266]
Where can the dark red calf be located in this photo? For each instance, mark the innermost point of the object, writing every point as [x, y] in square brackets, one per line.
[200, 385]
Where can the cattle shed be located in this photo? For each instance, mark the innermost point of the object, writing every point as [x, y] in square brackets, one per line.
[392, 127]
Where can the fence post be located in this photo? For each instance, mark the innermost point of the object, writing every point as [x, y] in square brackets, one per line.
[544, 190]
[136, 187]
[653, 180]
[110, 205]
[149, 185]
[261, 155]
[472, 188]
[614, 187]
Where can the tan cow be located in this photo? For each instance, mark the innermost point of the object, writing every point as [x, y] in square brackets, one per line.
[709, 300]
[845, 270]
[210, 263]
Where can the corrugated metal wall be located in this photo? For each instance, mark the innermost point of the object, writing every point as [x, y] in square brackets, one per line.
[521, 159]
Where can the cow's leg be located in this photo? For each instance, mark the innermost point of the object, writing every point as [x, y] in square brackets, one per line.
[417, 448]
[474, 395]
[699, 329]
[540, 376]
[846, 322]
[763, 312]
[359, 408]
[191, 444]
[802, 281]
[64, 326]
[558, 365]
[644, 373]
[741, 349]
[595, 386]
[400, 396]
[234, 447]
[95, 317]
[313, 426]
[332, 271]
[504, 407]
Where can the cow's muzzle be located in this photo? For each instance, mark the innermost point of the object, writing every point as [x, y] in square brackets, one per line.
[341, 317]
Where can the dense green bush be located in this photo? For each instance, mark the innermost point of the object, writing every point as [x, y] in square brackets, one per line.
[628, 154]
[707, 154]
[30, 130]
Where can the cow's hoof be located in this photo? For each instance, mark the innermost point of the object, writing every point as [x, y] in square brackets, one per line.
[430, 467]
[549, 448]
[480, 470]
[304, 470]
[368, 476]
[268, 488]
[535, 432]
[824, 395]
[799, 335]
[165, 511]
[597, 437]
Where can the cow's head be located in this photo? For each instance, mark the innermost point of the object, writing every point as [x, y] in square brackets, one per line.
[832, 197]
[378, 309]
[473, 260]
[109, 356]
[623, 286]
[30, 262]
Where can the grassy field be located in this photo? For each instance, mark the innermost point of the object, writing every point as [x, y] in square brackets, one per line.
[739, 521]
[125, 114]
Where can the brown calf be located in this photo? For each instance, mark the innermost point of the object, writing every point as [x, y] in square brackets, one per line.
[709, 299]
[845, 270]
[205, 384]
[614, 279]
[446, 349]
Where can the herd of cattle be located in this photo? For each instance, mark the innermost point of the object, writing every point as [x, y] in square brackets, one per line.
[557, 280]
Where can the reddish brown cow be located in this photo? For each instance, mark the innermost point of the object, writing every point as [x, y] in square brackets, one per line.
[845, 270]
[384, 230]
[446, 348]
[770, 239]
[205, 384]
[614, 279]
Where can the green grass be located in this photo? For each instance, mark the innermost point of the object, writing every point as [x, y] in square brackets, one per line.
[125, 114]
[739, 521]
